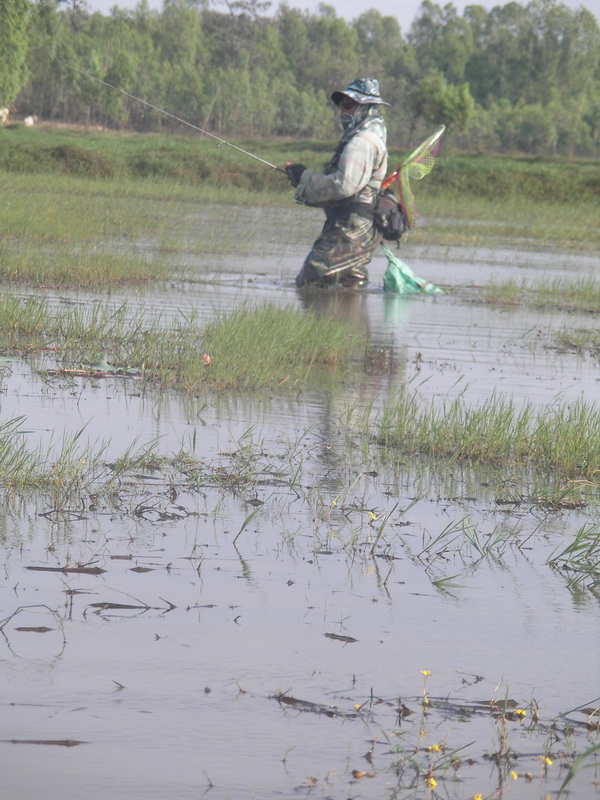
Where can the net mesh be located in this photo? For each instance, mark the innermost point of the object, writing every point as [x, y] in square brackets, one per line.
[416, 166]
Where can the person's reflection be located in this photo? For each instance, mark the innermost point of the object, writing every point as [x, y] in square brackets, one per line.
[384, 343]
[337, 303]
[382, 351]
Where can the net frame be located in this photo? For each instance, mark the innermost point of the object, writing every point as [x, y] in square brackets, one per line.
[416, 166]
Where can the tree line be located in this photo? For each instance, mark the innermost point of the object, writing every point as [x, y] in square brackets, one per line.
[517, 78]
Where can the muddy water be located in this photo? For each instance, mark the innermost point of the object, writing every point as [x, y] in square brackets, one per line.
[159, 677]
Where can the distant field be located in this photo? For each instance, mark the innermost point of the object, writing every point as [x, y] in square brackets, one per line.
[195, 159]
[484, 200]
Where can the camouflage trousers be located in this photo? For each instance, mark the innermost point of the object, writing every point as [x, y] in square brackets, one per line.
[341, 253]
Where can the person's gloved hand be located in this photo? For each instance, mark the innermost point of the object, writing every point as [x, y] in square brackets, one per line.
[294, 172]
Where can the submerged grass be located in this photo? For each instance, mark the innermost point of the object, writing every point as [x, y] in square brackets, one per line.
[64, 266]
[250, 348]
[578, 340]
[72, 231]
[581, 557]
[564, 439]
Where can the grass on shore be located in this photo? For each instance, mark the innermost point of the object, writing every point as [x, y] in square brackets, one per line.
[71, 187]
[197, 160]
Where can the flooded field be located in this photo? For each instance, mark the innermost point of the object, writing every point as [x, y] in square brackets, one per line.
[308, 616]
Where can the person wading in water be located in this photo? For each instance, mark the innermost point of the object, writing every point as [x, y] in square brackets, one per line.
[347, 191]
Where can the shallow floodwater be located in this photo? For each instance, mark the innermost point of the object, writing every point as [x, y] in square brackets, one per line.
[274, 634]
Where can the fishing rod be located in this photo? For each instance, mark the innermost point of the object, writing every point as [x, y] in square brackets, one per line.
[171, 116]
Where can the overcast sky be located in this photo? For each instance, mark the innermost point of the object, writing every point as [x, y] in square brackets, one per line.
[404, 10]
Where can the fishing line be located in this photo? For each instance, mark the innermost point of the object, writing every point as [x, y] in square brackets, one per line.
[171, 116]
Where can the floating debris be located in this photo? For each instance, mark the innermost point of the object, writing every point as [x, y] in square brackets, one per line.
[339, 638]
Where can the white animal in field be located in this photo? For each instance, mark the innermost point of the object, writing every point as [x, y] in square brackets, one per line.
[29, 121]
[3, 116]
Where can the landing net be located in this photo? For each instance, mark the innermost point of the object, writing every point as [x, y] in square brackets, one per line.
[416, 166]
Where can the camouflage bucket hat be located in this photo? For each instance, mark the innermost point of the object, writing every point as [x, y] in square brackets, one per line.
[363, 91]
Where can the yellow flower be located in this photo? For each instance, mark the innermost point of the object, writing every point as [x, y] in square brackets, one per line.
[372, 515]
[520, 712]
[513, 775]
[334, 503]
[547, 761]
[426, 672]
[430, 783]
[357, 706]
[434, 748]
[477, 797]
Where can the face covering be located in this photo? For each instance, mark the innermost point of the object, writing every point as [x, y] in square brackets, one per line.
[350, 119]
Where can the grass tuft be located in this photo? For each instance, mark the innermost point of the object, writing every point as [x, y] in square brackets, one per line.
[566, 294]
[251, 348]
[562, 439]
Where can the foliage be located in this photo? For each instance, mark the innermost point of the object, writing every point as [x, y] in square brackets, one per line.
[14, 19]
[436, 102]
[515, 78]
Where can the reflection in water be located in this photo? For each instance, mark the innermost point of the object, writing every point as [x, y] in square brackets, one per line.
[383, 354]
[336, 303]
[384, 344]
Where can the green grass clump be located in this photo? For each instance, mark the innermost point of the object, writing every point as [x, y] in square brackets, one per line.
[251, 348]
[560, 439]
[71, 468]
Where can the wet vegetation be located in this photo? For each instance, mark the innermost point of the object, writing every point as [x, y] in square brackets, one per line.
[67, 223]
[564, 439]
[579, 340]
[244, 349]
[564, 294]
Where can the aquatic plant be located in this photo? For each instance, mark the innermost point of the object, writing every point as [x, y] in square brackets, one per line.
[252, 347]
[567, 294]
[582, 761]
[580, 559]
[561, 438]
[579, 340]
